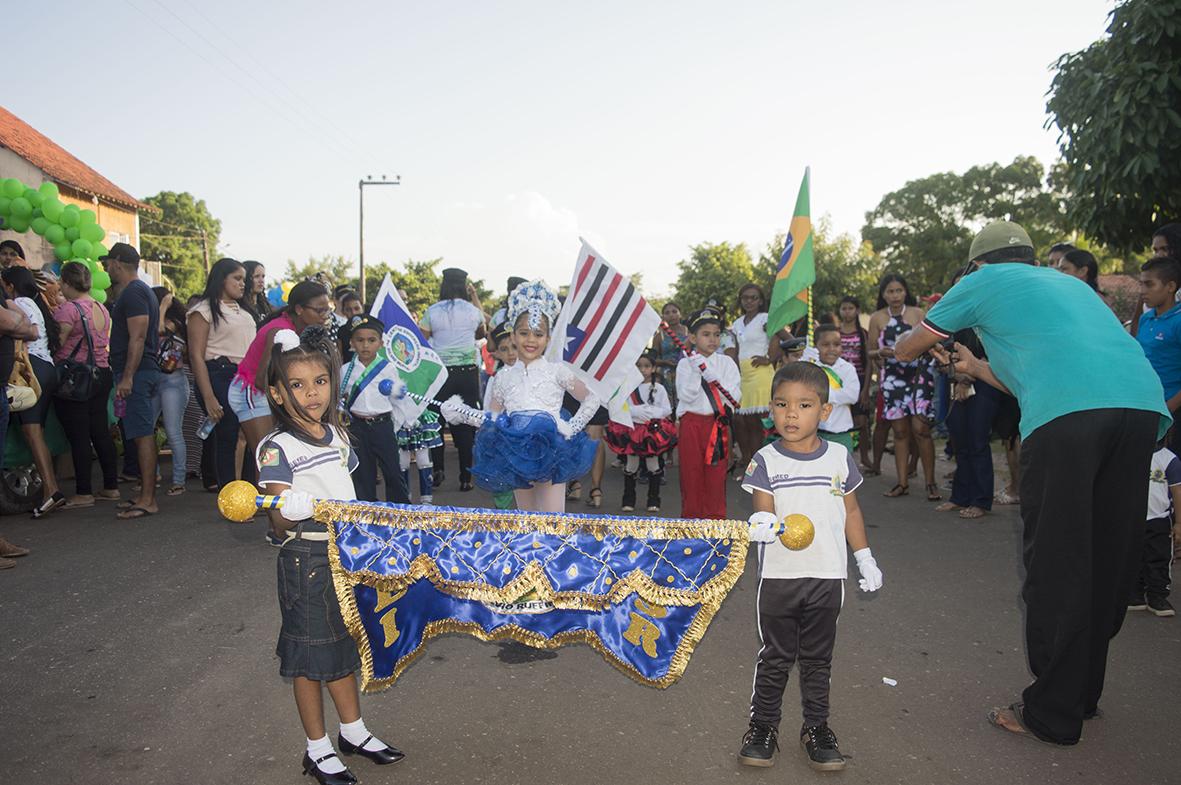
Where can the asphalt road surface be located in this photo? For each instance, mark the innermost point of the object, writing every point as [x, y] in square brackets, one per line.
[142, 652]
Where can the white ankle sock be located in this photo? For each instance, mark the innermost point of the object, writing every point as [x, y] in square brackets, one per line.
[318, 748]
[356, 732]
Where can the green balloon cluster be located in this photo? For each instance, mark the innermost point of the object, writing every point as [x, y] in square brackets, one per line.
[73, 232]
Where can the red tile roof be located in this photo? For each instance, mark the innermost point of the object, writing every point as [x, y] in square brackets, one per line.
[59, 165]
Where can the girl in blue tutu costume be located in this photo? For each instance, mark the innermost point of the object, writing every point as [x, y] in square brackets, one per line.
[524, 444]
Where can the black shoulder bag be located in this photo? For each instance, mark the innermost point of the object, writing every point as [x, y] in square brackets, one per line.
[78, 381]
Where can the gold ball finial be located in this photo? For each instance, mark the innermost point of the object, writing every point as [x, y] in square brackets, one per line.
[236, 501]
[799, 532]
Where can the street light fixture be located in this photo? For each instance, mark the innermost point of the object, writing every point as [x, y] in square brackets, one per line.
[361, 188]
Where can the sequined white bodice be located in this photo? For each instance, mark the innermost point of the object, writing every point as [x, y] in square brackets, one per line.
[538, 387]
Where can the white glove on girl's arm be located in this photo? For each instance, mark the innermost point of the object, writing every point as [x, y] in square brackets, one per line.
[590, 405]
[457, 413]
[297, 505]
[764, 527]
[871, 574]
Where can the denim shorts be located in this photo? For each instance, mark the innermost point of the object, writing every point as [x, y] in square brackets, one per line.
[246, 402]
[313, 642]
[139, 419]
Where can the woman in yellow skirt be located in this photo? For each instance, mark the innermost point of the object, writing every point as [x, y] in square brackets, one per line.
[756, 355]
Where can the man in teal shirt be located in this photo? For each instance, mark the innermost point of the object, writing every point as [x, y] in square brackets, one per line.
[1092, 410]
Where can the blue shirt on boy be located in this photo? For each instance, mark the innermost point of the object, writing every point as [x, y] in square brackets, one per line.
[1052, 341]
[1160, 337]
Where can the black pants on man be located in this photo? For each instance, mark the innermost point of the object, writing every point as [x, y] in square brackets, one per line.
[797, 623]
[377, 445]
[1084, 489]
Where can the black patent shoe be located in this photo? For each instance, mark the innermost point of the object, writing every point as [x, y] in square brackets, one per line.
[821, 745]
[759, 745]
[345, 777]
[380, 757]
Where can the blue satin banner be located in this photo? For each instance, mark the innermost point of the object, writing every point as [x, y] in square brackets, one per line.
[640, 591]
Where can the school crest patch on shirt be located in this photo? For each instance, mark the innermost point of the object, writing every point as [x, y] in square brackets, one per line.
[270, 457]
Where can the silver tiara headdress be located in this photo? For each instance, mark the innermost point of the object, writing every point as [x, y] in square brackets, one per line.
[535, 299]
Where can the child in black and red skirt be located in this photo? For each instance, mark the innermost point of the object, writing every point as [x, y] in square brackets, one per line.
[652, 435]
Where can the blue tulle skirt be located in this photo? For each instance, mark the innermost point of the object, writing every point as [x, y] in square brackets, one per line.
[516, 450]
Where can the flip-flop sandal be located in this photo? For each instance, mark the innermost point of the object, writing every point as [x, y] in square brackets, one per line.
[867, 472]
[126, 504]
[947, 507]
[58, 499]
[933, 494]
[131, 513]
[972, 513]
[176, 490]
[116, 498]
[77, 505]
[896, 491]
[994, 719]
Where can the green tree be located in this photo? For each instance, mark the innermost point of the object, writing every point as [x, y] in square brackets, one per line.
[713, 271]
[1117, 104]
[844, 266]
[174, 238]
[925, 228]
[340, 269]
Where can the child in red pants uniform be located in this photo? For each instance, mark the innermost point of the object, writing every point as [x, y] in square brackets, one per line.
[703, 415]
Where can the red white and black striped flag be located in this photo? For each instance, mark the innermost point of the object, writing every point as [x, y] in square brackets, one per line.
[604, 326]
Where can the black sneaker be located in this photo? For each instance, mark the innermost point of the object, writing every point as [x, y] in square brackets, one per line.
[821, 745]
[1137, 603]
[759, 745]
[1159, 606]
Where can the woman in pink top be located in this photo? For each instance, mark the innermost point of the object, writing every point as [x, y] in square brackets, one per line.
[307, 304]
[85, 422]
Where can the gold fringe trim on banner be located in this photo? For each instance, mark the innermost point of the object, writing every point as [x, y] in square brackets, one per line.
[710, 595]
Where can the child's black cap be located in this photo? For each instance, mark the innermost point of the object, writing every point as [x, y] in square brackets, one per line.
[364, 322]
[499, 333]
[707, 315]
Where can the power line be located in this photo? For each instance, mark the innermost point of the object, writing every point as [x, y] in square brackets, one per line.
[262, 97]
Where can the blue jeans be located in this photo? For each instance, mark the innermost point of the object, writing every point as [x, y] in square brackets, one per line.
[970, 425]
[171, 398]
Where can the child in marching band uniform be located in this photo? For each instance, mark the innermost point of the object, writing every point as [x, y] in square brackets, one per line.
[415, 442]
[653, 434]
[309, 458]
[806, 514]
[505, 353]
[703, 415]
[524, 444]
[368, 381]
[844, 385]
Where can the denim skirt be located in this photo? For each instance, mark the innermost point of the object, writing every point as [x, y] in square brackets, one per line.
[313, 642]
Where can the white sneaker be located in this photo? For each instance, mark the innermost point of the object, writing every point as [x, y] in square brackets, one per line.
[429, 501]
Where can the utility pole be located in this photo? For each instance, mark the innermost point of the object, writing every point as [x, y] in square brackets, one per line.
[361, 222]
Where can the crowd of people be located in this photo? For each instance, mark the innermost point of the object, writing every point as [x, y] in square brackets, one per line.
[277, 396]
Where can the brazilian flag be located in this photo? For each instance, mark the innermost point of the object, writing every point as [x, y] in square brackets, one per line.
[797, 268]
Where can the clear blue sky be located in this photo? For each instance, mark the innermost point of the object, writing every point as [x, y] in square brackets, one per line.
[516, 127]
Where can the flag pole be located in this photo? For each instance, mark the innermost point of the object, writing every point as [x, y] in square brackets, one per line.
[808, 328]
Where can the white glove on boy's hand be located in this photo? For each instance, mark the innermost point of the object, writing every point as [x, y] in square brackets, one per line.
[871, 574]
[764, 527]
[395, 390]
[297, 505]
